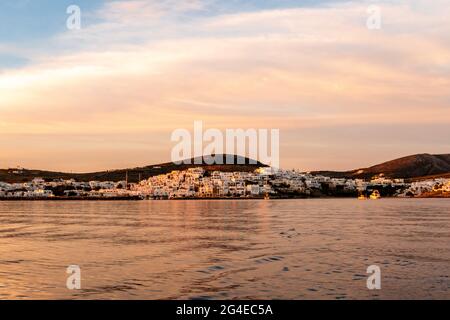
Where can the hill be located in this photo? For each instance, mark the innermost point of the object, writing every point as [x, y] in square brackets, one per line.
[24, 175]
[412, 167]
[415, 167]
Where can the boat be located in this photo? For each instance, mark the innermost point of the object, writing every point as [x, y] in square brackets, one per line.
[375, 195]
[362, 197]
[267, 197]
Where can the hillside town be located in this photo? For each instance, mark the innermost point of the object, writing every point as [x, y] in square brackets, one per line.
[196, 183]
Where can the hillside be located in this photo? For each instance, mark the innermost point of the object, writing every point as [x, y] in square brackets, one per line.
[8, 175]
[411, 167]
[416, 167]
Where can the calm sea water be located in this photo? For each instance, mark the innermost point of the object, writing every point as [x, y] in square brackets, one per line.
[292, 249]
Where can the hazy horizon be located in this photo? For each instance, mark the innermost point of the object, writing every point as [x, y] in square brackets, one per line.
[109, 95]
[163, 162]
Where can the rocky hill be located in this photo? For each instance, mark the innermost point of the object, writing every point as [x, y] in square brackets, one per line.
[24, 175]
[411, 167]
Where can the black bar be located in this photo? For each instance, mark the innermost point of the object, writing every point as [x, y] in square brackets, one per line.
[239, 309]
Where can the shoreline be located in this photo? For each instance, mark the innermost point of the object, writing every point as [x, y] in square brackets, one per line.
[74, 199]
[53, 199]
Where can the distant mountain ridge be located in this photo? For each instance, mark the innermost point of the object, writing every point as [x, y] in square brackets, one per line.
[410, 167]
[414, 167]
[241, 164]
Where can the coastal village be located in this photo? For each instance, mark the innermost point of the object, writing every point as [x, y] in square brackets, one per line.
[196, 183]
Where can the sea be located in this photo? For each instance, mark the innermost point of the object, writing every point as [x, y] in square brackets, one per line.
[225, 249]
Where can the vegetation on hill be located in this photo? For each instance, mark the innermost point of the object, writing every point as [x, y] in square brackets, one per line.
[411, 167]
[24, 175]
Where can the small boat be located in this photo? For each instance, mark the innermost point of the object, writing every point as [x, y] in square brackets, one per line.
[375, 195]
[362, 197]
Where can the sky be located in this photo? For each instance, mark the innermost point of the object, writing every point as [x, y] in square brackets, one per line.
[109, 95]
